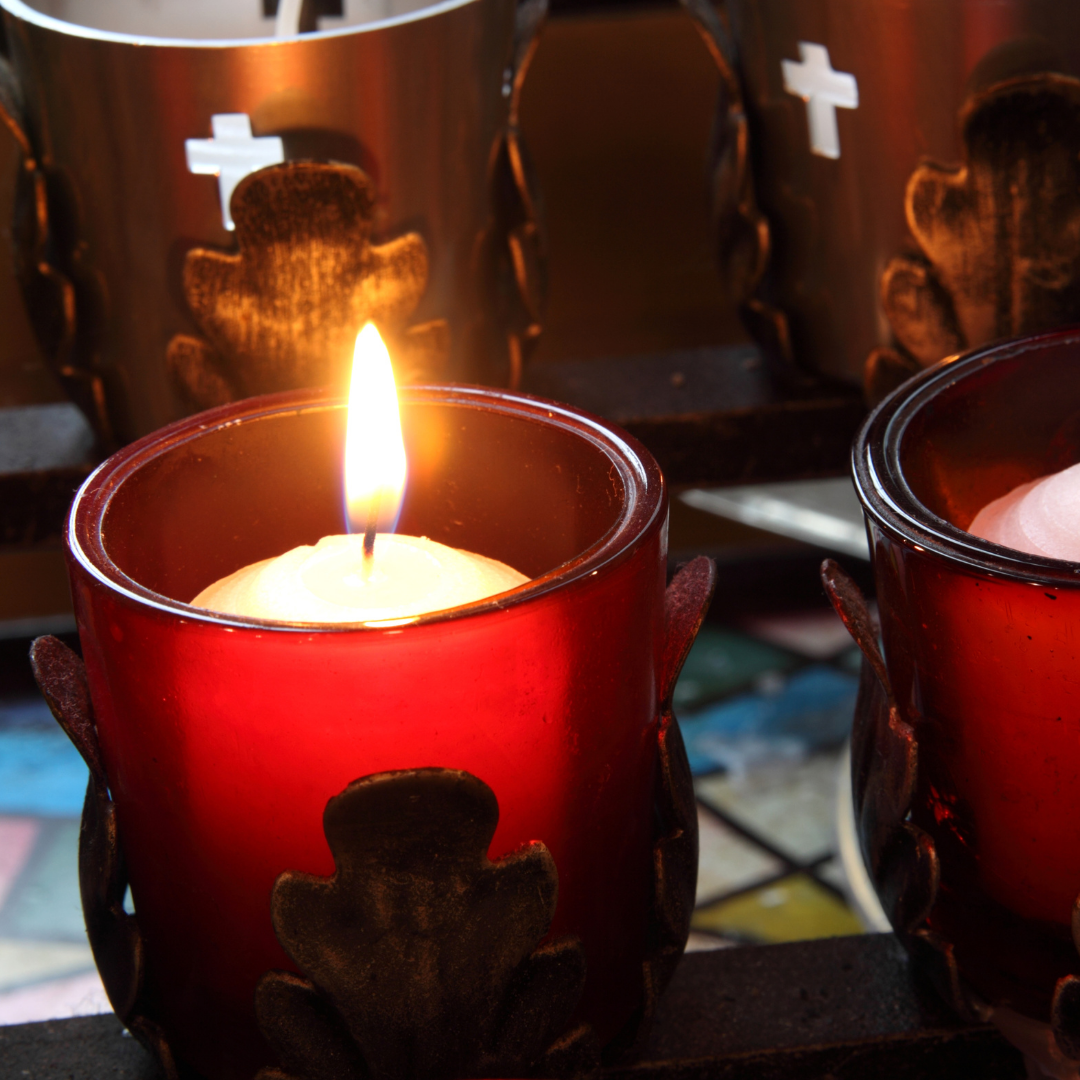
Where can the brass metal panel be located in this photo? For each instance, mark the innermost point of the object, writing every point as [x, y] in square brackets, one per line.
[837, 221]
[33, 591]
[617, 113]
[418, 104]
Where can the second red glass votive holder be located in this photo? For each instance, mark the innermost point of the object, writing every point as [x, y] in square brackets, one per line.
[223, 737]
[981, 645]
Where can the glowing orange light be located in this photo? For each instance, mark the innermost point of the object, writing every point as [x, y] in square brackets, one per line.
[375, 466]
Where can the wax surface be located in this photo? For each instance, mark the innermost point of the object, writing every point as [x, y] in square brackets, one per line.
[1041, 517]
[332, 582]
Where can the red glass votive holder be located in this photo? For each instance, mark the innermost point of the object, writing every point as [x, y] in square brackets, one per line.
[224, 738]
[981, 644]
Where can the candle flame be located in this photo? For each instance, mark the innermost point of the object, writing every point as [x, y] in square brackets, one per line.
[375, 467]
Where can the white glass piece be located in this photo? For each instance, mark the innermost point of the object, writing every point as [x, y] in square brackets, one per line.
[824, 91]
[231, 155]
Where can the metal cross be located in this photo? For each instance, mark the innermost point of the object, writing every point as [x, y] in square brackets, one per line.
[231, 155]
[824, 91]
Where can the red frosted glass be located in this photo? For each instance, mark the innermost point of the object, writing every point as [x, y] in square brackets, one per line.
[982, 647]
[224, 738]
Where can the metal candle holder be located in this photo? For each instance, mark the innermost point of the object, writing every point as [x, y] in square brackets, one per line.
[963, 773]
[422, 957]
[124, 216]
[964, 184]
[555, 697]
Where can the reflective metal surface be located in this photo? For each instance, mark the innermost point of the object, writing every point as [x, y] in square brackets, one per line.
[837, 208]
[418, 100]
[211, 20]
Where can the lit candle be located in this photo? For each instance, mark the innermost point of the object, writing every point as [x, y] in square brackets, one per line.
[224, 738]
[1041, 517]
[372, 575]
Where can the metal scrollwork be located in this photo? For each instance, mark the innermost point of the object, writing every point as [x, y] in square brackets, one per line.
[60, 294]
[901, 858]
[1065, 1016]
[675, 839]
[513, 252]
[1065, 1005]
[997, 237]
[742, 235]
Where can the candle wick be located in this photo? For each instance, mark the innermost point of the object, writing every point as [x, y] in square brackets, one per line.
[369, 532]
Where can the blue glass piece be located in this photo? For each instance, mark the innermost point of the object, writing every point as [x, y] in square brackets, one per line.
[786, 719]
[41, 773]
[26, 711]
[723, 661]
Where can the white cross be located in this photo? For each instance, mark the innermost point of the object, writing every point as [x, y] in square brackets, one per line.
[824, 91]
[231, 155]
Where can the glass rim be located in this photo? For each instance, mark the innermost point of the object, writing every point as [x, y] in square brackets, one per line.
[645, 499]
[22, 10]
[888, 500]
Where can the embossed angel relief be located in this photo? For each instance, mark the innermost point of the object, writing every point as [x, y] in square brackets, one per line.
[284, 310]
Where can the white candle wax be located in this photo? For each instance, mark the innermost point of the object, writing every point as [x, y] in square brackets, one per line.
[1041, 517]
[333, 582]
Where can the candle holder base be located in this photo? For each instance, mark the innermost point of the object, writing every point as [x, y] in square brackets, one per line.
[422, 957]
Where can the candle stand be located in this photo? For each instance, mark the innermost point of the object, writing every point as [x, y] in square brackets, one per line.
[935, 779]
[462, 294]
[963, 763]
[216, 743]
[845, 1007]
